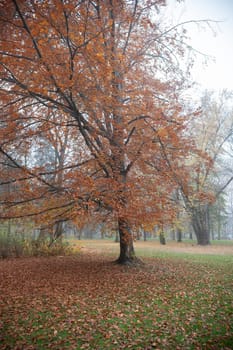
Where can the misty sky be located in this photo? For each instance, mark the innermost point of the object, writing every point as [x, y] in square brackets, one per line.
[217, 42]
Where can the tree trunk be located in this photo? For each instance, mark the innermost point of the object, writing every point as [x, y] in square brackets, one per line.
[56, 233]
[117, 237]
[179, 235]
[219, 226]
[127, 254]
[9, 228]
[173, 233]
[191, 231]
[43, 233]
[144, 235]
[162, 238]
[79, 234]
[200, 225]
[58, 230]
[212, 232]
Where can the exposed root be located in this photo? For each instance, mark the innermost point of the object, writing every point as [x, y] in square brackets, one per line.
[131, 262]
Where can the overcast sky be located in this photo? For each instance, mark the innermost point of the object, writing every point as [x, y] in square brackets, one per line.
[218, 74]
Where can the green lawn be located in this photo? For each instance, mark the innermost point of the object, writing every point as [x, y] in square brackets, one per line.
[181, 298]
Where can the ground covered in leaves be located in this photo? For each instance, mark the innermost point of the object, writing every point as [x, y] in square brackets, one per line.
[87, 302]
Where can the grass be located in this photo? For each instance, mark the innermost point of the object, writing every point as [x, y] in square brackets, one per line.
[216, 252]
[180, 299]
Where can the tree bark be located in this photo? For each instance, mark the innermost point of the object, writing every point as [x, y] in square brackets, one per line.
[117, 237]
[162, 238]
[127, 254]
[144, 235]
[43, 233]
[200, 225]
[58, 230]
[9, 228]
[57, 233]
[219, 224]
[173, 233]
[179, 235]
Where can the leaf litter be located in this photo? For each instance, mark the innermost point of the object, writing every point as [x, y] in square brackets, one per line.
[87, 302]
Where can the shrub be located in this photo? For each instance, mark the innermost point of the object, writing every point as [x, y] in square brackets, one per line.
[16, 246]
[37, 247]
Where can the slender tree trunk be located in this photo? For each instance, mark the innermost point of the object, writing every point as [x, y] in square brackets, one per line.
[117, 237]
[179, 235]
[190, 231]
[212, 232]
[56, 233]
[219, 226]
[212, 235]
[79, 234]
[144, 235]
[127, 254]
[43, 234]
[58, 230]
[173, 233]
[162, 238]
[9, 228]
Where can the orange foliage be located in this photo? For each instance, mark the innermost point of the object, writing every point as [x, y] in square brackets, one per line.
[81, 81]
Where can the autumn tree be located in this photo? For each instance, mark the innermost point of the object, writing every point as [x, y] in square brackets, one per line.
[207, 162]
[108, 72]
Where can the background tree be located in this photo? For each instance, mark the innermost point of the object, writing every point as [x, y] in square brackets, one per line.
[211, 175]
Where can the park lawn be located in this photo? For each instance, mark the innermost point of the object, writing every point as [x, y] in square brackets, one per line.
[176, 300]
